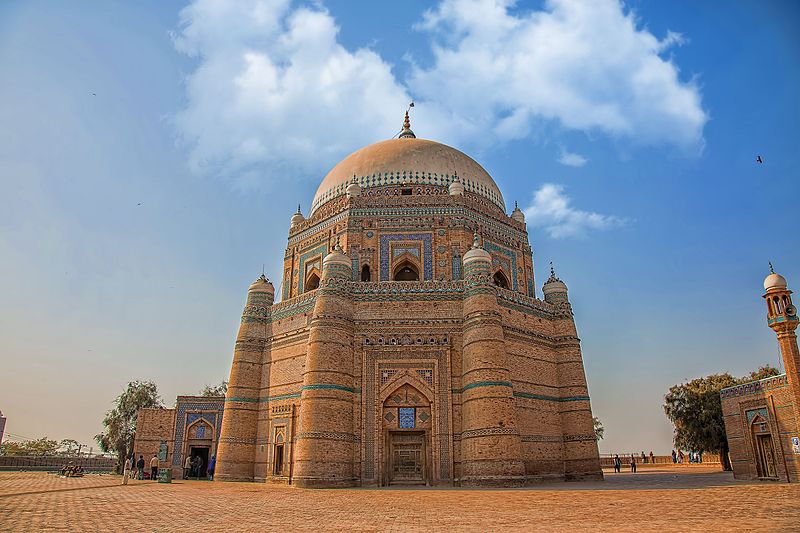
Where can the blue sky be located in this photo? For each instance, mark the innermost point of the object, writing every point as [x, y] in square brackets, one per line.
[151, 155]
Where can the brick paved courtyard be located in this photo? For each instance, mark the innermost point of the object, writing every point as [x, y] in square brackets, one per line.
[668, 499]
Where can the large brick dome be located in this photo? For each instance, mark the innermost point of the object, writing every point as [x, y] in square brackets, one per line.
[407, 160]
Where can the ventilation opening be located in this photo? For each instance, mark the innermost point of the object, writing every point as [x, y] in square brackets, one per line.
[312, 282]
[366, 274]
[405, 192]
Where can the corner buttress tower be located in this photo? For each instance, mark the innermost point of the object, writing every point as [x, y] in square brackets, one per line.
[491, 446]
[325, 435]
[237, 445]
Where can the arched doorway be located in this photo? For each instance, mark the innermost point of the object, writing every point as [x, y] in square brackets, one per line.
[312, 282]
[763, 447]
[500, 280]
[366, 275]
[406, 414]
[406, 272]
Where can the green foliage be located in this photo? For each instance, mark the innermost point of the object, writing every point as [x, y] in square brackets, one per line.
[43, 446]
[216, 390]
[120, 422]
[766, 371]
[598, 428]
[68, 447]
[695, 410]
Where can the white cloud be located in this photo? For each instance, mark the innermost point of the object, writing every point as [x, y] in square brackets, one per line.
[571, 159]
[275, 95]
[551, 211]
[583, 64]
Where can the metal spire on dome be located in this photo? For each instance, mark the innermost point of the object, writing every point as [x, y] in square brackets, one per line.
[298, 209]
[406, 132]
[772, 270]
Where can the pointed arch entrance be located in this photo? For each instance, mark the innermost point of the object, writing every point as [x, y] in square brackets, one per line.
[406, 414]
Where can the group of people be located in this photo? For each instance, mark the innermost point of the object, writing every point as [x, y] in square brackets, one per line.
[694, 457]
[193, 467]
[131, 463]
[618, 463]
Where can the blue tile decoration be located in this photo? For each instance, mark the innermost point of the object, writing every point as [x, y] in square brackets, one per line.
[456, 266]
[407, 417]
[183, 417]
[530, 287]
[355, 267]
[752, 414]
[426, 239]
[321, 249]
[492, 247]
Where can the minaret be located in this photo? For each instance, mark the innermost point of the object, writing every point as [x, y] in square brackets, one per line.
[782, 318]
[581, 458]
[237, 442]
[491, 447]
[325, 434]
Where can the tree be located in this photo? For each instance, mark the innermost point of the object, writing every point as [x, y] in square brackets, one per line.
[598, 429]
[216, 390]
[120, 422]
[43, 446]
[766, 371]
[695, 409]
[69, 447]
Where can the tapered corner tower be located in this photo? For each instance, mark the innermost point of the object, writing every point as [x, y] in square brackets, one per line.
[237, 445]
[325, 438]
[490, 440]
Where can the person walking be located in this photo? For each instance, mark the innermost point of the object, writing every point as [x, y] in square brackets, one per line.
[652, 458]
[617, 464]
[211, 464]
[198, 466]
[633, 464]
[680, 457]
[674, 457]
[187, 467]
[154, 468]
[644, 457]
[140, 467]
[126, 471]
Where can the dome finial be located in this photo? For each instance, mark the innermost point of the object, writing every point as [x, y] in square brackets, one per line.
[772, 270]
[406, 132]
[475, 240]
[298, 208]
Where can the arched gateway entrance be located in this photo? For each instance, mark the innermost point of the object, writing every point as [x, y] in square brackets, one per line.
[406, 415]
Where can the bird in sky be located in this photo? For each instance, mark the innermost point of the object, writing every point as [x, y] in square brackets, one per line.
[759, 160]
[93, 94]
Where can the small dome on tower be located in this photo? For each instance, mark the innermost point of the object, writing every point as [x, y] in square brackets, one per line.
[554, 289]
[298, 217]
[517, 214]
[476, 253]
[337, 257]
[456, 188]
[262, 284]
[774, 282]
[354, 189]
